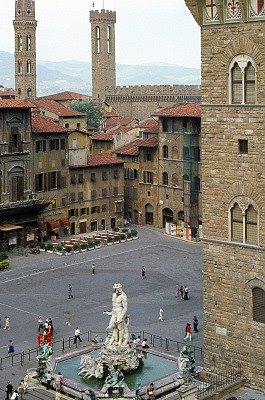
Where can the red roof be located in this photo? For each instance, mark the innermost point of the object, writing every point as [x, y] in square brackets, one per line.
[64, 96]
[150, 125]
[109, 134]
[41, 124]
[109, 114]
[117, 120]
[103, 159]
[150, 142]
[130, 149]
[57, 108]
[181, 110]
[16, 104]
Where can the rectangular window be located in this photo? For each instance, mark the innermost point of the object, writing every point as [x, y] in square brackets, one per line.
[15, 144]
[115, 191]
[80, 196]
[115, 174]
[93, 176]
[148, 177]
[104, 175]
[62, 144]
[80, 178]
[73, 178]
[95, 210]
[39, 183]
[104, 192]
[84, 211]
[72, 212]
[40, 146]
[64, 201]
[74, 143]
[72, 197]
[119, 207]
[54, 144]
[243, 146]
[104, 207]
[93, 194]
[148, 155]
[52, 180]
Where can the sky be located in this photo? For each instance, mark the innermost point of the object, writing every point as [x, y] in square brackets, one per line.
[147, 31]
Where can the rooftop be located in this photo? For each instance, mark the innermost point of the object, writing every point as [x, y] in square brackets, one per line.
[57, 108]
[64, 96]
[42, 124]
[98, 160]
[181, 110]
[10, 103]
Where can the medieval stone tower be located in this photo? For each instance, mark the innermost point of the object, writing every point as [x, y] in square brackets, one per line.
[103, 52]
[25, 49]
[233, 182]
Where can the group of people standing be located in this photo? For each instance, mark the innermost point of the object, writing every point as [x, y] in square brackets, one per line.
[188, 330]
[45, 331]
[182, 291]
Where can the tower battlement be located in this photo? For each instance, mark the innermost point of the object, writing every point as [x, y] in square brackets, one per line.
[25, 10]
[154, 90]
[102, 16]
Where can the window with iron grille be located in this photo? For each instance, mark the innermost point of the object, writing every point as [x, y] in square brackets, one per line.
[243, 146]
[258, 298]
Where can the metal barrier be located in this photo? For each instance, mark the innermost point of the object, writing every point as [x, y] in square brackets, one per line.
[215, 383]
[61, 345]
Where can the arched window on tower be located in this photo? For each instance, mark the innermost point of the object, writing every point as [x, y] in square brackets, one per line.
[19, 67]
[97, 39]
[242, 85]
[165, 178]
[258, 299]
[165, 151]
[28, 42]
[108, 39]
[28, 66]
[244, 224]
[29, 92]
[19, 42]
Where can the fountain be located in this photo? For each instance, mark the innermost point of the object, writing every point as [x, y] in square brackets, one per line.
[115, 367]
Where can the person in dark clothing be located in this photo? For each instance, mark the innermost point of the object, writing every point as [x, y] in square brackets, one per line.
[9, 390]
[70, 295]
[143, 272]
[195, 324]
[181, 290]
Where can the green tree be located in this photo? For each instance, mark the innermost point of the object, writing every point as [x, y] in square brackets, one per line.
[92, 109]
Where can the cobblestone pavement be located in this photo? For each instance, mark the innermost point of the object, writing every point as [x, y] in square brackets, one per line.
[38, 285]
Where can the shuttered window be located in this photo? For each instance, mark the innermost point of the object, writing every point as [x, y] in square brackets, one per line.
[258, 296]
[236, 84]
[251, 226]
[237, 223]
[250, 93]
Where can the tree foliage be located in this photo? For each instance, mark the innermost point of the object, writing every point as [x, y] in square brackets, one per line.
[92, 109]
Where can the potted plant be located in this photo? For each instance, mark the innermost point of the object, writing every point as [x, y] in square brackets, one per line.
[4, 262]
[122, 237]
[116, 229]
[59, 249]
[49, 247]
[110, 240]
[41, 246]
[124, 230]
[68, 250]
[129, 236]
[83, 247]
[76, 248]
[134, 233]
[91, 245]
[116, 239]
[97, 243]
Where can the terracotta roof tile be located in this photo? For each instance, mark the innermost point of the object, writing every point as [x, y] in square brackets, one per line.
[150, 142]
[63, 96]
[181, 110]
[117, 120]
[16, 104]
[149, 125]
[41, 124]
[98, 160]
[57, 108]
[130, 149]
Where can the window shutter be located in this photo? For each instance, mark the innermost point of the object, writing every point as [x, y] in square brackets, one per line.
[58, 180]
[236, 84]
[258, 296]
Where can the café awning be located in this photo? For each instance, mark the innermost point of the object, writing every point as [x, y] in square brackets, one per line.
[9, 227]
[64, 223]
[51, 225]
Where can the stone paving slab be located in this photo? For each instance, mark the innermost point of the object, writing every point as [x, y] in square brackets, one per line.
[246, 393]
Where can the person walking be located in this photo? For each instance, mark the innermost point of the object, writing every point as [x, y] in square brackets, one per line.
[48, 380]
[70, 294]
[188, 332]
[9, 390]
[93, 269]
[68, 319]
[177, 289]
[10, 348]
[40, 322]
[77, 335]
[195, 324]
[181, 291]
[143, 273]
[58, 381]
[14, 395]
[7, 323]
[161, 313]
[150, 391]
[186, 293]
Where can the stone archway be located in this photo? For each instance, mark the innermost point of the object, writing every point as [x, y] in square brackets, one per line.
[149, 214]
[167, 216]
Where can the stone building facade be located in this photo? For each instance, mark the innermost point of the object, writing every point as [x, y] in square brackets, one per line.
[25, 26]
[233, 98]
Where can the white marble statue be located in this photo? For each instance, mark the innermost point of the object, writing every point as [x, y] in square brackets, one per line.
[119, 321]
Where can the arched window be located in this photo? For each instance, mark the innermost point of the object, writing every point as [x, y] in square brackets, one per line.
[258, 298]
[19, 42]
[242, 85]
[28, 67]
[165, 178]
[19, 67]
[244, 224]
[29, 92]
[165, 152]
[28, 42]
[97, 39]
[108, 39]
